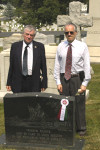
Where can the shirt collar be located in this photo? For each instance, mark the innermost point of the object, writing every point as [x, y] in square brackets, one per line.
[73, 43]
[30, 45]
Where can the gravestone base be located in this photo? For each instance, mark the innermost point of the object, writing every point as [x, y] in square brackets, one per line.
[79, 144]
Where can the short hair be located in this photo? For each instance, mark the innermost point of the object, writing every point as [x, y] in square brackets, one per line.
[30, 28]
[72, 25]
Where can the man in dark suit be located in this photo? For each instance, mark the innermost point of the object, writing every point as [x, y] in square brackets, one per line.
[35, 78]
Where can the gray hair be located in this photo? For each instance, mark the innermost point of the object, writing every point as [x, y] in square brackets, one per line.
[30, 28]
[75, 27]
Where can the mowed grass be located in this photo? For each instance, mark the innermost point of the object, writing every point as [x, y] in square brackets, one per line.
[94, 84]
[1, 119]
[1, 48]
[92, 137]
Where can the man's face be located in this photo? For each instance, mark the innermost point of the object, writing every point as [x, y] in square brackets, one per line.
[28, 36]
[70, 33]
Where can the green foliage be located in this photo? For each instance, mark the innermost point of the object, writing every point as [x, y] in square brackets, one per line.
[43, 11]
[47, 14]
[39, 11]
[92, 140]
[1, 119]
[18, 12]
[28, 18]
[1, 48]
[9, 11]
[94, 85]
[1, 7]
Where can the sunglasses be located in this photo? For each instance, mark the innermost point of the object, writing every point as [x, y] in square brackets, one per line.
[71, 32]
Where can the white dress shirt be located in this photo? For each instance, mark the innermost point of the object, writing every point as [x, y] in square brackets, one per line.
[30, 56]
[80, 60]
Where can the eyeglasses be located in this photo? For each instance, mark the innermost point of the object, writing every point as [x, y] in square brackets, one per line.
[27, 34]
[71, 32]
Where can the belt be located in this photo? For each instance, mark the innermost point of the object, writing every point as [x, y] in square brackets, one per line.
[28, 76]
[72, 75]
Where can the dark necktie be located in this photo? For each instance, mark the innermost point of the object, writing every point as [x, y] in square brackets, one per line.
[25, 68]
[68, 63]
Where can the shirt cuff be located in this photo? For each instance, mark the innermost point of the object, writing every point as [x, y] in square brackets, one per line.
[85, 83]
[58, 81]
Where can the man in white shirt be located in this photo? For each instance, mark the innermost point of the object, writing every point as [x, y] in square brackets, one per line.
[79, 70]
[27, 71]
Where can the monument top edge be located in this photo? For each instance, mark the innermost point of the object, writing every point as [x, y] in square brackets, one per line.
[37, 94]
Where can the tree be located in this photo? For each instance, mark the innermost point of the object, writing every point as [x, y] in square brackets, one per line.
[64, 6]
[36, 14]
[9, 11]
[39, 11]
[29, 11]
[47, 14]
[29, 18]
[18, 12]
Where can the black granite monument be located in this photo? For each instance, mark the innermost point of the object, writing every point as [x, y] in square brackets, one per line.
[39, 120]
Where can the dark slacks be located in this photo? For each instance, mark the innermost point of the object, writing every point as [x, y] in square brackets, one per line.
[70, 88]
[26, 84]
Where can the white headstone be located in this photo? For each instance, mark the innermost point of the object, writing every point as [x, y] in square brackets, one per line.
[13, 38]
[93, 34]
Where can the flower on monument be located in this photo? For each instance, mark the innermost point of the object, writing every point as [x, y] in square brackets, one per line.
[62, 115]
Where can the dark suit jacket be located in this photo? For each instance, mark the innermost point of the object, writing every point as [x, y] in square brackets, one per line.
[15, 70]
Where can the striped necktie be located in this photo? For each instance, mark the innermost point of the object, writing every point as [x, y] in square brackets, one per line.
[67, 74]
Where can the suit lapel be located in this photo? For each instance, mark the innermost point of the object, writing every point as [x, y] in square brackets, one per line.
[35, 53]
[20, 54]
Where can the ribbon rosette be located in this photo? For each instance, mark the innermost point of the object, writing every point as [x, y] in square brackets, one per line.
[62, 115]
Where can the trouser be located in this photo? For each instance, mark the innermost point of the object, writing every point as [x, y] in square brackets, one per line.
[26, 84]
[70, 88]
